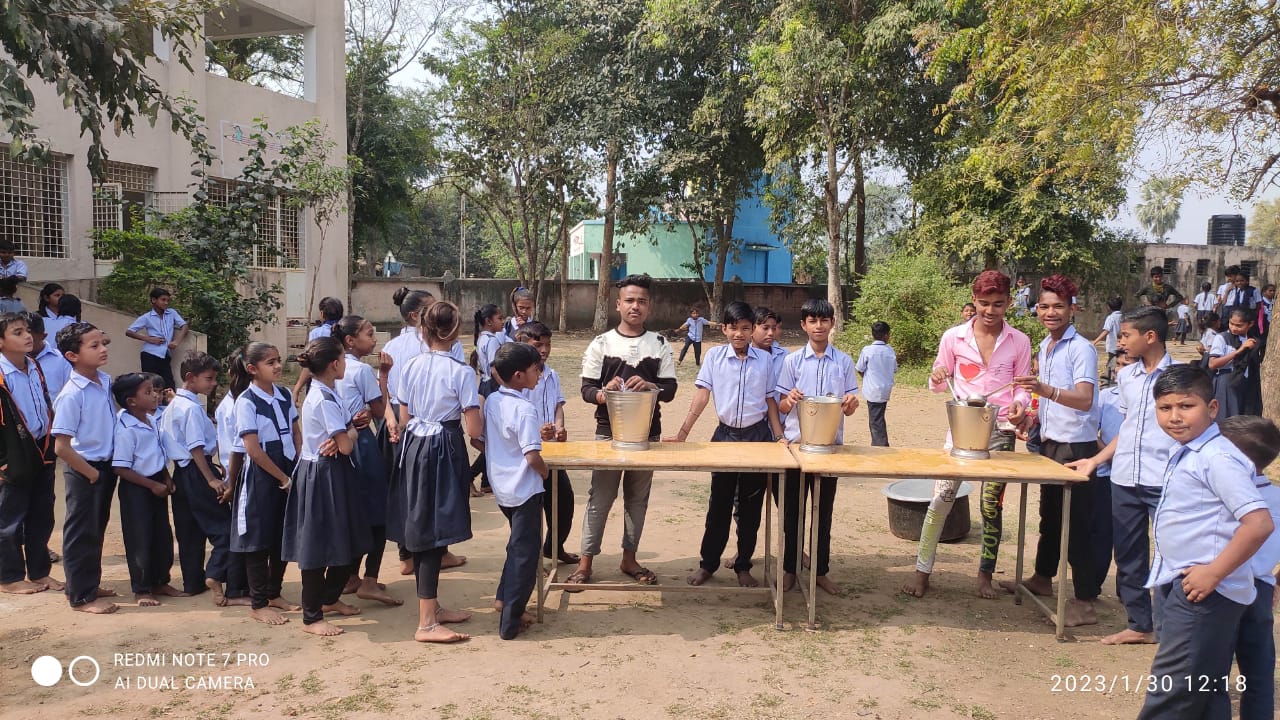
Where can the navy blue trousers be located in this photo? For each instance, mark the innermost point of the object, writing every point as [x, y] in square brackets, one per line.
[746, 491]
[198, 518]
[1256, 656]
[83, 528]
[148, 539]
[1191, 667]
[520, 571]
[1132, 511]
[26, 523]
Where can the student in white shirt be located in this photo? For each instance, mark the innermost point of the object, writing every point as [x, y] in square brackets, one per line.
[877, 363]
[161, 331]
[1111, 332]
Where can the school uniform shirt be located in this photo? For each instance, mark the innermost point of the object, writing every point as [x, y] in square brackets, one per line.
[1224, 290]
[158, 325]
[1205, 301]
[323, 330]
[437, 388]
[186, 426]
[47, 314]
[1263, 563]
[777, 356]
[228, 440]
[28, 394]
[358, 386]
[277, 427]
[613, 354]
[958, 354]
[739, 386]
[696, 326]
[14, 268]
[1112, 326]
[1072, 360]
[1208, 487]
[1109, 420]
[1218, 348]
[511, 429]
[1184, 313]
[1143, 449]
[547, 396]
[137, 445]
[405, 347]
[55, 367]
[53, 325]
[322, 418]
[84, 413]
[878, 363]
[829, 375]
[486, 348]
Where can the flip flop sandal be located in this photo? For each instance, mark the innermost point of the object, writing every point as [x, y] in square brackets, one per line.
[642, 576]
[578, 578]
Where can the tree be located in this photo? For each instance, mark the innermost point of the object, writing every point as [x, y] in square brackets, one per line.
[1264, 226]
[94, 54]
[271, 61]
[1161, 204]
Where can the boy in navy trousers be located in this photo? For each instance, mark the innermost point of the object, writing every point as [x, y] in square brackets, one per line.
[877, 363]
[1210, 522]
[740, 378]
[83, 426]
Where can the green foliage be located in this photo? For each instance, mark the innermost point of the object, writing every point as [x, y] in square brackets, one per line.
[1160, 207]
[1264, 226]
[916, 295]
[270, 61]
[93, 53]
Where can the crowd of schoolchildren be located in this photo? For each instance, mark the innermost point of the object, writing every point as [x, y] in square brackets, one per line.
[381, 454]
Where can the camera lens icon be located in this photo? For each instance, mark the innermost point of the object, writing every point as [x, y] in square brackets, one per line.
[46, 671]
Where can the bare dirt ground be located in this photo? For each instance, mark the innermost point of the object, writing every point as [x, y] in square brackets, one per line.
[879, 654]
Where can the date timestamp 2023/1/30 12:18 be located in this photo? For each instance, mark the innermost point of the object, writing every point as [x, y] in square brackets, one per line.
[1143, 683]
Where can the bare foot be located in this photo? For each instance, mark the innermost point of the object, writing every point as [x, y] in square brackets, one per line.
[104, 592]
[51, 584]
[353, 584]
[452, 561]
[280, 603]
[452, 616]
[728, 564]
[1130, 637]
[268, 615]
[437, 633]
[322, 628]
[146, 600]
[788, 582]
[526, 621]
[746, 579]
[341, 608]
[97, 607]
[168, 591]
[1041, 586]
[23, 587]
[825, 583]
[371, 589]
[215, 590]
[698, 577]
[1080, 612]
[918, 585]
[406, 567]
[984, 588]
[475, 491]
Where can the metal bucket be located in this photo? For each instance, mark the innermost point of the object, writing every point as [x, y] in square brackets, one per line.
[909, 503]
[820, 421]
[631, 417]
[971, 428]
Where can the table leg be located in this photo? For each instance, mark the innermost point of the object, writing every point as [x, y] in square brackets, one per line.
[1062, 563]
[1022, 538]
[771, 482]
[814, 504]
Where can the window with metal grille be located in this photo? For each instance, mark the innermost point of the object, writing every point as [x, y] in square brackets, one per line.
[33, 205]
[1250, 267]
[1170, 266]
[120, 200]
[1202, 267]
[280, 234]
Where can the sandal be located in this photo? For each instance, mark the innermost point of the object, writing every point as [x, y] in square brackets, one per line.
[577, 578]
[642, 575]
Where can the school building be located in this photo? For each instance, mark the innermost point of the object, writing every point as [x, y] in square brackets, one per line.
[665, 251]
[49, 211]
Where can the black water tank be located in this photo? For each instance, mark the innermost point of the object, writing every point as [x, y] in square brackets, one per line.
[1226, 230]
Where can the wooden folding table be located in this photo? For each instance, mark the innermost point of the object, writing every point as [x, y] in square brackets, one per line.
[1010, 467]
[772, 459]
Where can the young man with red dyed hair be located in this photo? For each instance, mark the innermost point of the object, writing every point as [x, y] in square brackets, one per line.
[1067, 386]
[979, 356]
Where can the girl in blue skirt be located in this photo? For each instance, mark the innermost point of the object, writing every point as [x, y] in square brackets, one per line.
[429, 503]
[364, 398]
[326, 527]
[266, 423]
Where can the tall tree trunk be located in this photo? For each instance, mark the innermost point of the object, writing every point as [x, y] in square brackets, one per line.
[832, 204]
[723, 242]
[601, 318]
[1271, 376]
[564, 259]
[860, 217]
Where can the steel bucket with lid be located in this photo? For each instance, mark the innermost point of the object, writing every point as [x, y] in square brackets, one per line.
[820, 421]
[631, 417]
[971, 427]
